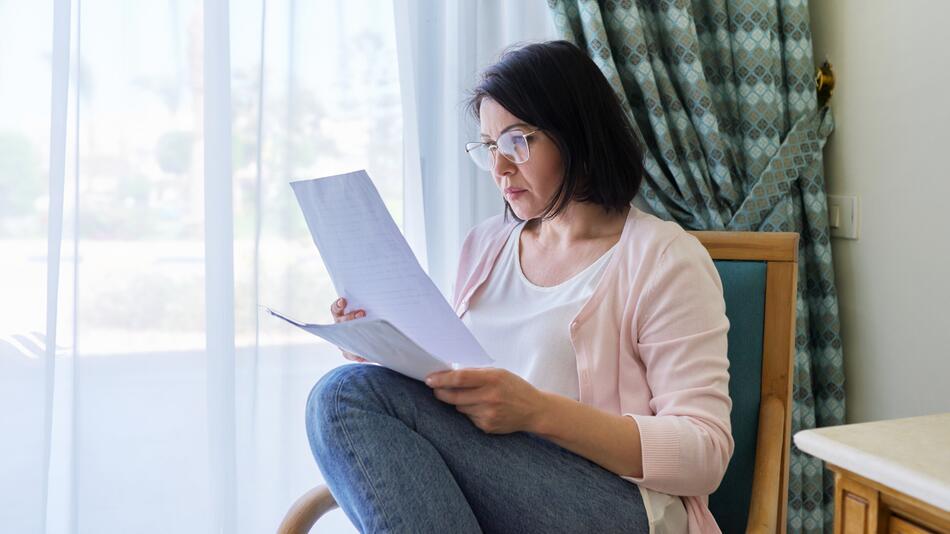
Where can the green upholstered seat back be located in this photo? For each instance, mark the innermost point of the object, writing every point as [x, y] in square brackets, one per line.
[743, 285]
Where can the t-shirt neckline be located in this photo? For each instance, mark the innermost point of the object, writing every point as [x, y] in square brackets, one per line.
[517, 258]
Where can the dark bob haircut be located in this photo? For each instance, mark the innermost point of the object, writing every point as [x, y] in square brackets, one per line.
[554, 86]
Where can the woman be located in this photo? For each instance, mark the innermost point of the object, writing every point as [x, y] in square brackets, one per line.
[608, 410]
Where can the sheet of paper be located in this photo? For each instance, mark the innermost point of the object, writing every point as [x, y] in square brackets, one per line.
[378, 341]
[372, 266]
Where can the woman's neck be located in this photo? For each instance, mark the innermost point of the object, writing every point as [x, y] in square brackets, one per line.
[579, 222]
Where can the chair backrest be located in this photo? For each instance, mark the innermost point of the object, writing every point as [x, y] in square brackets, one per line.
[759, 272]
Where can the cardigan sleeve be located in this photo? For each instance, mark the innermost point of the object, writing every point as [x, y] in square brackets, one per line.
[681, 339]
[479, 241]
[468, 256]
[460, 270]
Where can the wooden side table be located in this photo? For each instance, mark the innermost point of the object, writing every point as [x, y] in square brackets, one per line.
[890, 476]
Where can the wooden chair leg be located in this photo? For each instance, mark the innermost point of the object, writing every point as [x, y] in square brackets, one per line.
[307, 510]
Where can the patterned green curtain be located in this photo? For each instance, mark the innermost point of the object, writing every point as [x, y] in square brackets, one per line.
[722, 96]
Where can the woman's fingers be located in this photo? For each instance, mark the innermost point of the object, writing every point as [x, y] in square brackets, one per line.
[338, 310]
[349, 316]
[353, 357]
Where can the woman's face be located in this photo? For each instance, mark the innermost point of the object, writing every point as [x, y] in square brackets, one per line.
[528, 187]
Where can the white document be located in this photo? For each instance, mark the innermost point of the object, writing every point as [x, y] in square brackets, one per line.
[409, 326]
[378, 341]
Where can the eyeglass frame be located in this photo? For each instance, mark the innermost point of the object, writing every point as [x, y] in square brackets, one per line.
[490, 144]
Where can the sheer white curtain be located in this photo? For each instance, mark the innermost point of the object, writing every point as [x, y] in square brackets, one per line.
[442, 47]
[145, 151]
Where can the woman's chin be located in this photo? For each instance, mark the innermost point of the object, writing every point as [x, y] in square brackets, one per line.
[520, 213]
[522, 210]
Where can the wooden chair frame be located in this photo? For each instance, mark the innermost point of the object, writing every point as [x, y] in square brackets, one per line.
[768, 509]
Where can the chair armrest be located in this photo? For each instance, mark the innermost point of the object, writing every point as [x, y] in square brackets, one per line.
[766, 485]
[307, 510]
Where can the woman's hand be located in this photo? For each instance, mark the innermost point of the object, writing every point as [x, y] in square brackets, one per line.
[338, 309]
[496, 400]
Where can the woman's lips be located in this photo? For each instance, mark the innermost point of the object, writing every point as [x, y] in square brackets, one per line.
[513, 192]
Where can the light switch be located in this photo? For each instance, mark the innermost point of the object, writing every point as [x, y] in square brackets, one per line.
[843, 216]
[834, 216]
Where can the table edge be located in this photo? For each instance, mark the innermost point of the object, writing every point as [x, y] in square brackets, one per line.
[881, 470]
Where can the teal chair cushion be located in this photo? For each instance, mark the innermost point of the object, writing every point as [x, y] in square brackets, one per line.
[743, 285]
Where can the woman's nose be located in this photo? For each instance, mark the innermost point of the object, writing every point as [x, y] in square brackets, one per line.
[502, 166]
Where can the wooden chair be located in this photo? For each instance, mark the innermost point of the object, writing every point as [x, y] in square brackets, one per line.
[759, 272]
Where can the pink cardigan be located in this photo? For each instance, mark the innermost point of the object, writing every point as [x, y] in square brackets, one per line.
[650, 344]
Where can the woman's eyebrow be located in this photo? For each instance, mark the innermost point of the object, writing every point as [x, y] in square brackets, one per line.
[510, 126]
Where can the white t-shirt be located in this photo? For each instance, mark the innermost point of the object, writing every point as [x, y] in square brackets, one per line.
[525, 328]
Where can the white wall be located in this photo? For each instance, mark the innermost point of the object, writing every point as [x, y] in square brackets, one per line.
[891, 148]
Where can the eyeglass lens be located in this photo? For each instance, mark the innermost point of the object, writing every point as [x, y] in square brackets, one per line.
[512, 144]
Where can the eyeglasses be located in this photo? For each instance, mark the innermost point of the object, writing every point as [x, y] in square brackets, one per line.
[512, 144]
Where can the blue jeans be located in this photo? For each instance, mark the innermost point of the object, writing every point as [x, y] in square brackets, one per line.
[397, 459]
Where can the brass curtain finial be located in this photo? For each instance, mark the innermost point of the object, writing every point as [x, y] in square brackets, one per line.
[824, 83]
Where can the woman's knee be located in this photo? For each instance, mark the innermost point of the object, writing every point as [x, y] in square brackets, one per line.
[322, 405]
[340, 384]
[326, 391]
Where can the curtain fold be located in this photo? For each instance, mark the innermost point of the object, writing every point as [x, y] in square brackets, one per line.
[59, 93]
[721, 96]
[443, 46]
[219, 267]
